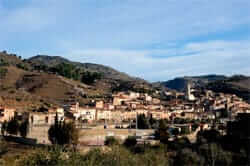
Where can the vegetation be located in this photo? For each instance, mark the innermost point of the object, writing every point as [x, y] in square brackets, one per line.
[73, 72]
[116, 156]
[3, 72]
[15, 127]
[162, 133]
[24, 128]
[22, 66]
[177, 153]
[66, 70]
[130, 142]
[111, 141]
[211, 148]
[90, 78]
[142, 122]
[63, 133]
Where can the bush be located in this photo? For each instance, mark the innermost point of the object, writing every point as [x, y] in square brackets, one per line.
[142, 122]
[110, 141]
[3, 72]
[63, 133]
[24, 128]
[117, 156]
[90, 77]
[188, 157]
[162, 133]
[13, 126]
[130, 141]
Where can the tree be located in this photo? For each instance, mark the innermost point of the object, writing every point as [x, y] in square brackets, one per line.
[90, 77]
[215, 155]
[4, 128]
[110, 141]
[210, 135]
[162, 133]
[175, 131]
[13, 126]
[63, 133]
[24, 128]
[130, 141]
[187, 157]
[142, 122]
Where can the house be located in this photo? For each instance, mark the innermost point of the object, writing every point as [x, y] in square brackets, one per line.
[118, 100]
[156, 101]
[159, 114]
[46, 117]
[6, 114]
[84, 113]
[40, 118]
[99, 104]
[133, 95]
[103, 114]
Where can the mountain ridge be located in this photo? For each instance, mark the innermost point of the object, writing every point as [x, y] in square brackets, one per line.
[46, 80]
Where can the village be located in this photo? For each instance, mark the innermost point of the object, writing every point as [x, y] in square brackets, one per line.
[119, 117]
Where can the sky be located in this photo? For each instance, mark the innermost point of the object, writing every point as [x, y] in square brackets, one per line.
[156, 40]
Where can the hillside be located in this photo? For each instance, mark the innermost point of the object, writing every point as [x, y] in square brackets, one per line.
[239, 85]
[108, 72]
[180, 83]
[100, 76]
[32, 89]
[49, 81]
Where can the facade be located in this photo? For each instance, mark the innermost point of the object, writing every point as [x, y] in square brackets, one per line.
[103, 114]
[6, 114]
[87, 113]
[46, 118]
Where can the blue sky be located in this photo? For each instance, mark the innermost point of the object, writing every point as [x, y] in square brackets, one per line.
[153, 39]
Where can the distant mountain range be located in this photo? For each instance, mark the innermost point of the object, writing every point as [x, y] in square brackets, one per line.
[239, 84]
[42, 80]
[52, 80]
[180, 83]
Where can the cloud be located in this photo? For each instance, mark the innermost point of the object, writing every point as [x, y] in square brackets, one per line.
[220, 57]
[125, 23]
[156, 40]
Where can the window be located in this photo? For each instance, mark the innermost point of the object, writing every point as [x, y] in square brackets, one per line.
[46, 119]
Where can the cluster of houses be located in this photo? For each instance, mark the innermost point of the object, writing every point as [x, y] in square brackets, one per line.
[125, 107]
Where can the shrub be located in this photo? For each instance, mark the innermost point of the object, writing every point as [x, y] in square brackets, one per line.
[162, 133]
[63, 133]
[3, 72]
[110, 141]
[13, 126]
[130, 141]
[24, 128]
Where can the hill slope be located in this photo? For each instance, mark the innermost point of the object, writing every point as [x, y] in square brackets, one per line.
[45, 80]
[239, 85]
[180, 83]
[105, 77]
[108, 72]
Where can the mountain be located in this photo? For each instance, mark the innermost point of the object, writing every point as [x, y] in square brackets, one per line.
[100, 76]
[180, 83]
[239, 85]
[48, 80]
[108, 72]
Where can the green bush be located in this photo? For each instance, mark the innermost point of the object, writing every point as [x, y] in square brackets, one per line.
[3, 72]
[62, 133]
[13, 126]
[130, 141]
[110, 141]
